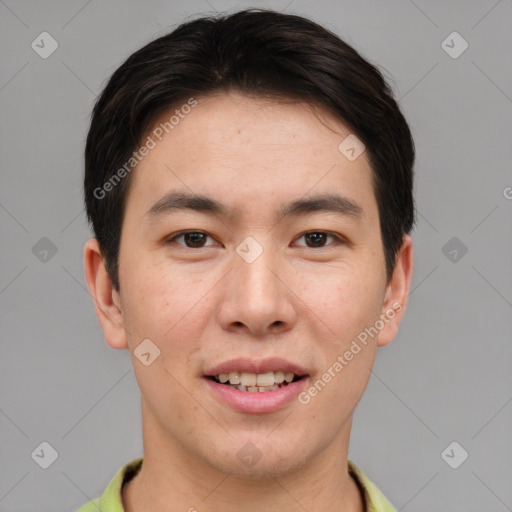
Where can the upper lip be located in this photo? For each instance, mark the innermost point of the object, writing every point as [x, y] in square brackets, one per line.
[273, 364]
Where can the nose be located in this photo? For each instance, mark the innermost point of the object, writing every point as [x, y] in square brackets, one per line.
[257, 298]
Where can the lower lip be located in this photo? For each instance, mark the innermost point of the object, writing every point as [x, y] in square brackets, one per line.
[258, 402]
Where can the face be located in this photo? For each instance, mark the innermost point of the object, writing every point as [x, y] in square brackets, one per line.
[251, 251]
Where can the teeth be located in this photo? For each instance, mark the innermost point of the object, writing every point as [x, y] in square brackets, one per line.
[234, 378]
[252, 382]
[248, 379]
[265, 379]
[278, 377]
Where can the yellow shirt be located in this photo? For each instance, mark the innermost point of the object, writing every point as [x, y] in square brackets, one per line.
[111, 501]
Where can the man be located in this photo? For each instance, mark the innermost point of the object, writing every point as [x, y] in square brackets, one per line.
[249, 182]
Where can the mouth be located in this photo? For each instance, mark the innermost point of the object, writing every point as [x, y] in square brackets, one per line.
[256, 382]
[256, 387]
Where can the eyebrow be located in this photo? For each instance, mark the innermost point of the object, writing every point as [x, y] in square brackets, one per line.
[319, 203]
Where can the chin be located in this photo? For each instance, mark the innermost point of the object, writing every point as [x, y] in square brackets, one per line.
[260, 457]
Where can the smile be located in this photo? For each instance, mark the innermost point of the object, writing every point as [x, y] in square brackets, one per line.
[256, 382]
[256, 386]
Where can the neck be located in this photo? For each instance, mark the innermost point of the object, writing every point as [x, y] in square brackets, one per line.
[171, 479]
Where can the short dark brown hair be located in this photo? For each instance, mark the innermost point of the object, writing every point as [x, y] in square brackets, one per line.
[257, 52]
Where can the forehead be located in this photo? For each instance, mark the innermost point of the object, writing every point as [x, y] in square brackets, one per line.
[250, 149]
[276, 124]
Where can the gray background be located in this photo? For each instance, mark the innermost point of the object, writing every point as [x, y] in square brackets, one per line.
[445, 378]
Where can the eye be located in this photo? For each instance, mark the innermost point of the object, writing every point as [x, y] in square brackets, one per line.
[191, 239]
[317, 239]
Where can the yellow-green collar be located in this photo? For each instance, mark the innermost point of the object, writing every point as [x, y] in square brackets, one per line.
[111, 500]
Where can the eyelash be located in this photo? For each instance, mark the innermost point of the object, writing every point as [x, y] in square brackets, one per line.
[181, 233]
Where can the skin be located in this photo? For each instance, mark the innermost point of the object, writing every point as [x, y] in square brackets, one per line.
[203, 306]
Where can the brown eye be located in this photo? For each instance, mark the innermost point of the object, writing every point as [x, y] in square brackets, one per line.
[194, 239]
[191, 239]
[317, 239]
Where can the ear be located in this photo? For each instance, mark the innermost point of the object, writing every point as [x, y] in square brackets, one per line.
[397, 293]
[106, 299]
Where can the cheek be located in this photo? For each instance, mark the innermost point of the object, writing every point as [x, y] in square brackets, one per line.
[344, 300]
[164, 303]
[345, 351]
[165, 308]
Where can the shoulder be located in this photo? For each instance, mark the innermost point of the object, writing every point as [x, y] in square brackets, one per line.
[111, 500]
[91, 506]
[374, 498]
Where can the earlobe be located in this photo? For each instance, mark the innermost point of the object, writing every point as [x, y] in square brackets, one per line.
[397, 293]
[106, 299]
